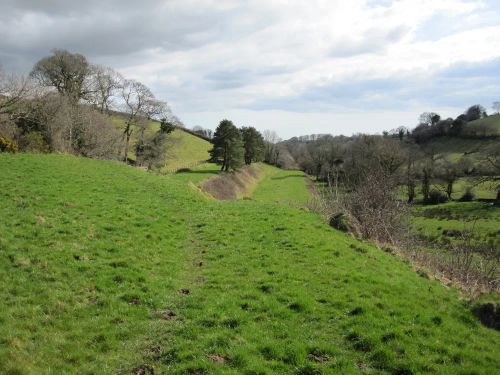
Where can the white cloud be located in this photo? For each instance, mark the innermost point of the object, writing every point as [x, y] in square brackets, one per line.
[213, 56]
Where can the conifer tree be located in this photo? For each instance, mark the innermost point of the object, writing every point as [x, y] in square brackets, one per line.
[228, 146]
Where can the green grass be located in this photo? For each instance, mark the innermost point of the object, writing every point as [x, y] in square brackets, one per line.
[183, 150]
[482, 218]
[186, 151]
[94, 253]
[283, 187]
[453, 149]
[481, 190]
[491, 123]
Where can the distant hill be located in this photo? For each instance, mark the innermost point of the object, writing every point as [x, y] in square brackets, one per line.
[185, 149]
[455, 148]
[486, 126]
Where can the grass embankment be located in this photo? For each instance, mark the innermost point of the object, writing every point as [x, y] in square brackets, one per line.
[234, 185]
[97, 257]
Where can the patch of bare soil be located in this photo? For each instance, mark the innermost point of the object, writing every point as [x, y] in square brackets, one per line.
[143, 370]
[216, 358]
[167, 314]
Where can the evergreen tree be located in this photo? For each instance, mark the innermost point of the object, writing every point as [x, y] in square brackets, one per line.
[253, 143]
[228, 146]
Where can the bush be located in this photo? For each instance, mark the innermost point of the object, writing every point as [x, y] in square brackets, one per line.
[150, 150]
[33, 142]
[468, 196]
[488, 313]
[339, 221]
[436, 197]
[7, 145]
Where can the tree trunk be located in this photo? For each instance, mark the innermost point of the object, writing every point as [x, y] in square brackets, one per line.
[497, 200]
[411, 191]
[128, 133]
[425, 186]
[449, 189]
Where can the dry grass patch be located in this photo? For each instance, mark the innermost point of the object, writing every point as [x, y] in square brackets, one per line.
[233, 185]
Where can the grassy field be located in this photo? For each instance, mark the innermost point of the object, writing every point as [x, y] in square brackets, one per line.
[183, 149]
[481, 190]
[434, 222]
[105, 268]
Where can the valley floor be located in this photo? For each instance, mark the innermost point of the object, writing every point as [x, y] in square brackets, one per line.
[105, 268]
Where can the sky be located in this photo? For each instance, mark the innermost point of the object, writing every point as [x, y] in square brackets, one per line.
[297, 67]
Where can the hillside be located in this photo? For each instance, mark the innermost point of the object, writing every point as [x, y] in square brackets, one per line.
[454, 148]
[184, 150]
[105, 268]
[487, 126]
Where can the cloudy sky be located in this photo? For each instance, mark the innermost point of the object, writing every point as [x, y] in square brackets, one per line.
[297, 66]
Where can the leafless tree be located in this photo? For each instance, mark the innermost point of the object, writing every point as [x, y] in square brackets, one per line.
[270, 140]
[492, 156]
[13, 89]
[139, 104]
[429, 118]
[449, 173]
[105, 84]
[496, 106]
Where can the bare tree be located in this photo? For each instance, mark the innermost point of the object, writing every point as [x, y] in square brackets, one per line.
[411, 158]
[139, 104]
[496, 107]
[270, 140]
[13, 89]
[105, 84]
[493, 158]
[449, 173]
[429, 118]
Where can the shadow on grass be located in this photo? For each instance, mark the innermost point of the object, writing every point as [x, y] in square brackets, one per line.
[204, 171]
[288, 176]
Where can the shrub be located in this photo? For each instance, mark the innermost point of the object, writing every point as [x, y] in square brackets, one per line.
[339, 221]
[436, 197]
[468, 196]
[33, 142]
[7, 145]
[488, 313]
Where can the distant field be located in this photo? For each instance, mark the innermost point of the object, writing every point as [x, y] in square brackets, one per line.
[483, 190]
[436, 221]
[105, 268]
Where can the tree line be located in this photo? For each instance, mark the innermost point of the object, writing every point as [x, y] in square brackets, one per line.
[405, 157]
[431, 125]
[65, 103]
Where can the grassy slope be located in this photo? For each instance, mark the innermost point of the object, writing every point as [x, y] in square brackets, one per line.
[491, 122]
[482, 218]
[453, 149]
[93, 251]
[184, 150]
